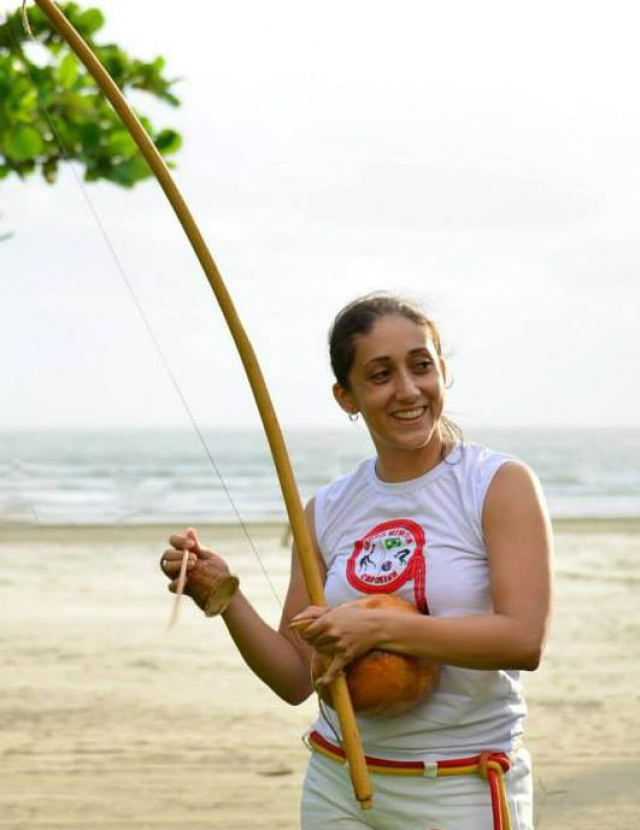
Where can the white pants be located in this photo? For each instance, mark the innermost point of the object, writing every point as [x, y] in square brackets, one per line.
[460, 802]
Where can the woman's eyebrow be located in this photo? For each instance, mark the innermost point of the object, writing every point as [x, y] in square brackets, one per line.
[381, 359]
[426, 349]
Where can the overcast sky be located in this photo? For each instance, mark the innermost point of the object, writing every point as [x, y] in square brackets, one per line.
[481, 157]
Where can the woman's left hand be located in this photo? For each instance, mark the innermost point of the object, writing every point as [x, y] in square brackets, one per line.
[343, 633]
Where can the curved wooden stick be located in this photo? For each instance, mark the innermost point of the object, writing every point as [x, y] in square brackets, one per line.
[350, 735]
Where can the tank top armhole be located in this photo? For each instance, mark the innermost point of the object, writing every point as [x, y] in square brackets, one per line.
[487, 473]
[319, 521]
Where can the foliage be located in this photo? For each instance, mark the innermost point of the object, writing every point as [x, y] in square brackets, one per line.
[55, 113]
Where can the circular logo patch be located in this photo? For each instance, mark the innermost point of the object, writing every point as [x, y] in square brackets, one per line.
[389, 555]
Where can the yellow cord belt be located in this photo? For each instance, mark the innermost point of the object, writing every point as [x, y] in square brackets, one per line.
[491, 766]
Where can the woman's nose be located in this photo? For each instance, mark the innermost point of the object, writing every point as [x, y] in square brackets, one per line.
[406, 388]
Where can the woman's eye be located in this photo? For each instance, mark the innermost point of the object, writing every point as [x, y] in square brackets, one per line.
[378, 377]
[423, 365]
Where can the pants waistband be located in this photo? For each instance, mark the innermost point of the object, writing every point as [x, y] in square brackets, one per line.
[491, 766]
[452, 766]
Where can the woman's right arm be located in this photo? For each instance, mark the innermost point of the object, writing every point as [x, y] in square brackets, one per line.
[279, 658]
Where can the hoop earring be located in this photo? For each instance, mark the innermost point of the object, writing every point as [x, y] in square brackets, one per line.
[353, 417]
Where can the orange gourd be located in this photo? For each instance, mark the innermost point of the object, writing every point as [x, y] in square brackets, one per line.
[383, 682]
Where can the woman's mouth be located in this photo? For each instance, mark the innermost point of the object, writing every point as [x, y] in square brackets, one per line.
[408, 415]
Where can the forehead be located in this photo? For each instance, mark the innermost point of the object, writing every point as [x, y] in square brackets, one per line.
[392, 337]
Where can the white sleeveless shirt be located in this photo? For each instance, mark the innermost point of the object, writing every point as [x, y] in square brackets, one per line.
[422, 540]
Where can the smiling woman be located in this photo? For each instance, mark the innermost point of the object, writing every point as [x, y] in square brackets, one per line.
[456, 530]
[398, 380]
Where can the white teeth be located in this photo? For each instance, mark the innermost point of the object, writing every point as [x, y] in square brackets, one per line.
[409, 414]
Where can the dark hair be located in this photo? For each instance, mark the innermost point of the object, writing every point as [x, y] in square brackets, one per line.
[358, 318]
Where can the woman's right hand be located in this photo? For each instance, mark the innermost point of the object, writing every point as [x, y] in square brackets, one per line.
[207, 575]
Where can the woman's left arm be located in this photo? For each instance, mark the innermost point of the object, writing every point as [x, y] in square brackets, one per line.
[519, 544]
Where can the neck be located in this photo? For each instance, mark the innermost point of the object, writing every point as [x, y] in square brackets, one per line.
[394, 464]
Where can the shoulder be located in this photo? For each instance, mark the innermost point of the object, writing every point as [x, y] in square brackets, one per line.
[336, 490]
[477, 457]
[476, 466]
[336, 500]
[487, 480]
[513, 480]
[514, 496]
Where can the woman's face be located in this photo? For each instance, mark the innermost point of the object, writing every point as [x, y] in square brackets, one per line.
[397, 383]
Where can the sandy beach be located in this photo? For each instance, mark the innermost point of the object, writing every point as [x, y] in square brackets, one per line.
[109, 721]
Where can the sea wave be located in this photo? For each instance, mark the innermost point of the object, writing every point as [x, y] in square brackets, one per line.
[165, 476]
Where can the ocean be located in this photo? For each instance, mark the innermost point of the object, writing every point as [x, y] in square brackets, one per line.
[163, 476]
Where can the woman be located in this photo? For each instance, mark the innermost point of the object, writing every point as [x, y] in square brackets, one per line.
[457, 529]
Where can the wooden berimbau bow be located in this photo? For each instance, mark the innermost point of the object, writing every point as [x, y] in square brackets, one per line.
[342, 702]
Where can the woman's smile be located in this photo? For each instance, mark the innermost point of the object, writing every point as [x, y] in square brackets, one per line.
[410, 415]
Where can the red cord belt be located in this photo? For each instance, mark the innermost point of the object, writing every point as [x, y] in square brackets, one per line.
[488, 765]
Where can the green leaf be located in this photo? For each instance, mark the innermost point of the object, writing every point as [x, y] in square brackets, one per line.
[90, 135]
[90, 21]
[28, 100]
[60, 91]
[130, 172]
[146, 123]
[170, 98]
[23, 142]
[168, 141]
[121, 144]
[68, 71]
[19, 87]
[50, 170]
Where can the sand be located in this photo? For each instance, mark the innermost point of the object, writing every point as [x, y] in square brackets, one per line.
[108, 721]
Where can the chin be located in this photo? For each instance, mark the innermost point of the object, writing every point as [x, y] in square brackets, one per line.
[410, 443]
[421, 437]
[419, 443]
[407, 439]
